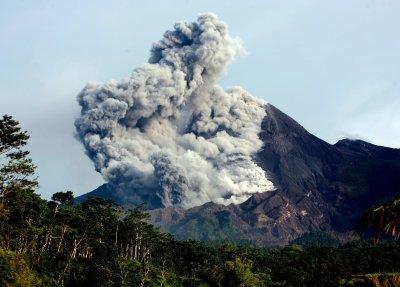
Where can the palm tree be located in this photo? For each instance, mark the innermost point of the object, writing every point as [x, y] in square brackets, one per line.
[382, 219]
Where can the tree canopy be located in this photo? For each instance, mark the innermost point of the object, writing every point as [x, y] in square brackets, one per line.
[97, 243]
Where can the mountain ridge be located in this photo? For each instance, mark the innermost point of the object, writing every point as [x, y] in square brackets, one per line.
[320, 187]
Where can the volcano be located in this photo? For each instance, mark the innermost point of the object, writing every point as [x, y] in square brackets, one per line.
[319, 187]
[211, 163]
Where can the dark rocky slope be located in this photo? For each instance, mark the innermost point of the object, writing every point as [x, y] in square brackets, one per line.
[321, 187]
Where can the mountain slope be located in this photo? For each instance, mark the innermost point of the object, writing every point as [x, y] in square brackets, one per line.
[337, 181]
[321, 187]
[264, 219]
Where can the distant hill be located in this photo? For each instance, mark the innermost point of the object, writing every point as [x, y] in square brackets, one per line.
[321, 187]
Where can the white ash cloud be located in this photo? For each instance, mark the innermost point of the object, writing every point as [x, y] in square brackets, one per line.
[170, 129]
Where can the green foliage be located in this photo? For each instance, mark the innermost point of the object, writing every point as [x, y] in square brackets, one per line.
[239, 273]
[382, 220]
[316, 239]
[373, 280]
[208, 228]
[16, 168]
[96, 243]
[6, 276]
[14, 271]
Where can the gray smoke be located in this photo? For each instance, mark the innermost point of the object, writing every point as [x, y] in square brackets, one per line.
[170, 129]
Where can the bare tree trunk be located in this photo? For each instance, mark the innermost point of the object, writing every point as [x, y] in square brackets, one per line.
[76, 245]
[64, 230]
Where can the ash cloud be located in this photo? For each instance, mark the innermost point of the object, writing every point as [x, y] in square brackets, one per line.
[169, 130]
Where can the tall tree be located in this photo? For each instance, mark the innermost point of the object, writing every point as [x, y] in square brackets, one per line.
[20, 207]
[17, 169]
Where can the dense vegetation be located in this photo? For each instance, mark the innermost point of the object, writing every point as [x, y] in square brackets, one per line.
[382, 221]
[96, 243]
[316, 239]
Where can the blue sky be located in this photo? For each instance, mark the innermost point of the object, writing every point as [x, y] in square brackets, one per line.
[334, 66]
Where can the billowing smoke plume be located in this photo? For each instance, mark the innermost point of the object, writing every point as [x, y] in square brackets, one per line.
[170, 130]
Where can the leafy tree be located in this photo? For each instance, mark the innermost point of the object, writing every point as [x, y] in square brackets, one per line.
[16, 168]
[96, 243]
[20, 207]
[238, 273]
[316, 239]
[14, 271]
[382, 220]
[63, 198]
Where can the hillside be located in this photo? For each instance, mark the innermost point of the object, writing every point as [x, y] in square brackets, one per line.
[321, 187]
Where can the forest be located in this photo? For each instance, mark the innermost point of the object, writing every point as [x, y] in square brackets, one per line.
[97, 243]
